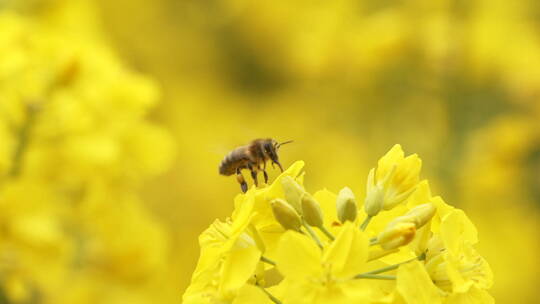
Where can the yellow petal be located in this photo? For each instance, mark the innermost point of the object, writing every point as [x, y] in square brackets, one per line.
[332, 294]
[473, 296]
[243, 204]
[298, 256]
[408, 171]
[238, 267]
[457, 229]
[442, 210]
[390, 159]
[294, 291]
[250, 294]
[421, 195]
[366, 291]
[419, 244]
[468, 269]
[349, 252]
[198, 298]
[327, 202]
[275, 189]
[415, 285]
[459, 283]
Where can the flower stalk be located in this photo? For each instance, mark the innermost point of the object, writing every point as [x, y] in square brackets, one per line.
[267, 260]
[375, 277]
[365, 223]
[270, 296]
[327, 233]
[23, 140]
[394, 266]
[312, 234]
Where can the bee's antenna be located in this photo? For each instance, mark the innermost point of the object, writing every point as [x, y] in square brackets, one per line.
[284, 143]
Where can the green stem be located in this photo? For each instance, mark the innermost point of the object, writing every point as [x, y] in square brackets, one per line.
[375, 277]
[366, 222]
[312, 234]
[327, 233]
[395, 266]
[274, 299]
[23, 140]
[267, 260]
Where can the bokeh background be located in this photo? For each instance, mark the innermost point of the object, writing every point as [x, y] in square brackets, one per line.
[457, 82]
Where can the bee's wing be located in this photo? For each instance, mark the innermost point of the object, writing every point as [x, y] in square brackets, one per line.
[219, 150]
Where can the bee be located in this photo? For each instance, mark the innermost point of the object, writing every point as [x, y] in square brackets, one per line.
[253, 157]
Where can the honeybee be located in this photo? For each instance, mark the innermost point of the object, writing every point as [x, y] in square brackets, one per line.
[252, 156]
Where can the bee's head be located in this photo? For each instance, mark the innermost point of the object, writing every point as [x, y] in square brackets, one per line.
[270, 148]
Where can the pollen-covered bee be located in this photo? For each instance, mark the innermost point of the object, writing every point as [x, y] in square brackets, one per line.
[253, 157]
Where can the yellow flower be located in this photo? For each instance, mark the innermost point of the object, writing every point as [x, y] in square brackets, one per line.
[229, 256]
[451, 260]
[392, 182]
[401, 230]
[315, 276]
[420, 252]
[75, 144]
[456, 272]
[263, 218]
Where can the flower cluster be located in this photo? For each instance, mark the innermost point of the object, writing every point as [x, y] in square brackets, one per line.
[74, 147]
[285, 245]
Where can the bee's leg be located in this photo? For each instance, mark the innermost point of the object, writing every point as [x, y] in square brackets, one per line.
[241, 180]
[253, 174]
[264, 173]
[279, 165]
[265, 177]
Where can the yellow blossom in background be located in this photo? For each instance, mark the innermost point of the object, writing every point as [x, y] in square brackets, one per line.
[291, 262]
[75, 147]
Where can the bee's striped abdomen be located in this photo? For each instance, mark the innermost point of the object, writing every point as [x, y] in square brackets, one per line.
[237, 158]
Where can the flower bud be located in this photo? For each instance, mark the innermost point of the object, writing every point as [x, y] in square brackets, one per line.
[397, 235]
[311, 211]
[346, 205]
[374, 197]
[293, 193]
[285, 214]
[418, 215]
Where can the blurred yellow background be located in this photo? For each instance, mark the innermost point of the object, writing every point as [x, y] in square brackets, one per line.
[457, 82]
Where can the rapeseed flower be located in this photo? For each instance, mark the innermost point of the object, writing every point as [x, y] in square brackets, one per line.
[315, 276]
[420, 252]
[392, 182]
[229, 257]
[75, 146]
